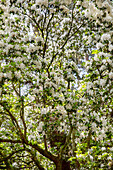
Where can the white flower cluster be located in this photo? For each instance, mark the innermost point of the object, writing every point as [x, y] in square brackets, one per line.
[105, 37]
[40, 127]
[45, 110]
[65, 9]
[18, 74]
[92, 11]
[42, 2]
[102, 82]
[111, 75]
[99, 45]
[61, 109]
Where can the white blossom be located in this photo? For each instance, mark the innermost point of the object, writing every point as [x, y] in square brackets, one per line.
[84, 3]
[40, 127]
[38, 64]
[65, 9]
[89, 85]
[32, 48]
[18, 74]
[9, 75]
[67, 2]
[35, 91]
[103, 148]
[68, 106]
[99, 45]
[110, 47]
[44, 111]
[104, 61]
[22, 66]
[105, 37]
[94, 125]
[99, 3]
[33, 7]
[1, 43]
[108, 17]
[96, 57]
[82, 135]
[61, 109]
[90, 92]
[78, 3]
[103, 67]
[109, 158]
[42, 2]
[110, 61]
[91, 157]
[111, 75]
[38, 39]
[102, 82]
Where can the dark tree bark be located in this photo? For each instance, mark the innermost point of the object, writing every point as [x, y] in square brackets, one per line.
[63, 165]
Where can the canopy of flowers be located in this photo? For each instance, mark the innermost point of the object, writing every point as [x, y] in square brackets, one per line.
[56, 84]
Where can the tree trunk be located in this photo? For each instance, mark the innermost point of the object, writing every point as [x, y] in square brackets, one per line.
[63, 165]
[59, 165]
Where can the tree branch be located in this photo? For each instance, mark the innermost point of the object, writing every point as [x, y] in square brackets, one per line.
[33, 19]
[45, 44]
[74, 149]
[10, 155]
[45, 142]
[66, 143]
[6, 163]
[13, 120]
[45, 153]
[10, 141]
[68, 37]
[33, 157]
[15, 90]
[22, 117]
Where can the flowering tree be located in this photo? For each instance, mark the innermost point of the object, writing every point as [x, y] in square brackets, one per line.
[56, 84]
